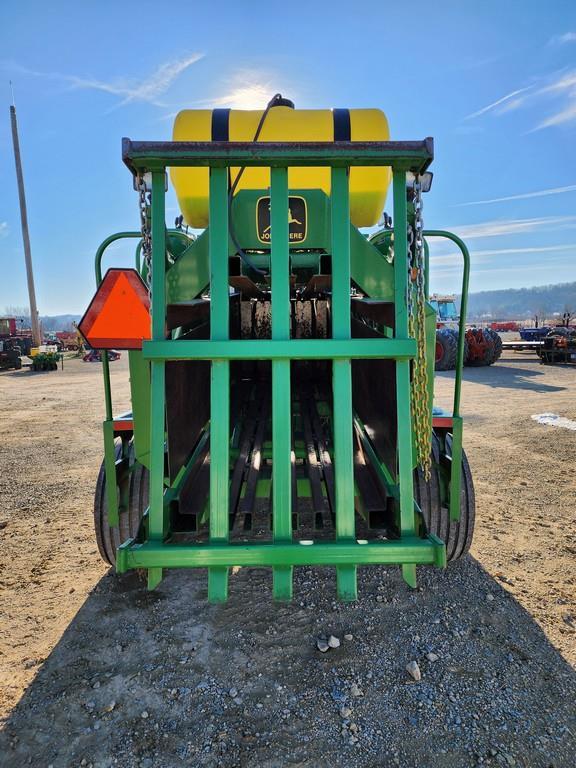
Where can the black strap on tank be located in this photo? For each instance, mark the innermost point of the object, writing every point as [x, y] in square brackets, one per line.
[342, 130]
[220, 125]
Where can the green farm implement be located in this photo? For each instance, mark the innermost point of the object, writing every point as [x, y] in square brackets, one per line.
[281, 361]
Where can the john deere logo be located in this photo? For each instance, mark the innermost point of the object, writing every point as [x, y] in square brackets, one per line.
[296, 219]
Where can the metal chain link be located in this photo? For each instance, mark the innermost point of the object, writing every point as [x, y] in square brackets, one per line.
[144, 202]
[417, 329]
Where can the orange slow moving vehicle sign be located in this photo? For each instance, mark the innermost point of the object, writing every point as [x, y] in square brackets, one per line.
[119, 314]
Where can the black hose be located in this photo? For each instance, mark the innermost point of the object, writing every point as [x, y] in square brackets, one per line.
[276, 100]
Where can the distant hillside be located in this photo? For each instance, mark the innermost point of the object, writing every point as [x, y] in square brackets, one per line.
[58, 322]
[50, 323]
[511, 303]
[544, 301]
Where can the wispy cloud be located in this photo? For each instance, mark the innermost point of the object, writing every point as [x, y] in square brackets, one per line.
[498, 102]
[554, 94]
[502, 227]
[4, 229]
[444, 275]
[565, 82]
[524, 196]
[566, 115]
[567, 37]
[486, 255]
[149, 89]
[249, 89]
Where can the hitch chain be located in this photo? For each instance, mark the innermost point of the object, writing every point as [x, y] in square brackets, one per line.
[417, 330]
[144, 203]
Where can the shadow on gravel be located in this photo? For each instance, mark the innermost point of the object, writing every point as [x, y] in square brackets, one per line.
[26, 373]
[164, 679]
[505, 376]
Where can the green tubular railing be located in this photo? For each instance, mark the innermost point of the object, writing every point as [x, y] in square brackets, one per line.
[112, 499]
[456, 453]
[283, 554]
[108, 425]
[98, 270]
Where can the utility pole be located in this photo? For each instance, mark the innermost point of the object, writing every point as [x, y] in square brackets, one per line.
[36, 336]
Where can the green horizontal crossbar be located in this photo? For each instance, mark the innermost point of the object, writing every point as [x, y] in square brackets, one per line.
[402, 155]
[263, 349]
[410, 550]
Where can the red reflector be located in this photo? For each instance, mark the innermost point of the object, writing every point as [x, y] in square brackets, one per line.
[445, 422]
[119, 314]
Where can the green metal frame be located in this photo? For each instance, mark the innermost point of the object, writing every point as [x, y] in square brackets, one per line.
[115, 469]
[455, 456]
[155, 552]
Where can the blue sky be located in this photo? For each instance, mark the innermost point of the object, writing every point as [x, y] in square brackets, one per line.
[493, 82]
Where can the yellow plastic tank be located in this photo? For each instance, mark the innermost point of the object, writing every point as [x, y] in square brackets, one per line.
[368, 186]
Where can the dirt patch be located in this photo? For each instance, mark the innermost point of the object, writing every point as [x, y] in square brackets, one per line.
[97, 671]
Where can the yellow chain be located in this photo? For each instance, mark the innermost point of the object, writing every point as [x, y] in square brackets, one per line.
[417, 330]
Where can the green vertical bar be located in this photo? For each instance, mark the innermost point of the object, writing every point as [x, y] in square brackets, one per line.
[281, 405]
[426, 270]
[156, 529]
[110, 469]
[403, 414]
[341, 377]
[158, 255]
[456, 468]
[220, 378]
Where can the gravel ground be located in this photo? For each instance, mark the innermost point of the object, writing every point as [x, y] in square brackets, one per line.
[96, 671]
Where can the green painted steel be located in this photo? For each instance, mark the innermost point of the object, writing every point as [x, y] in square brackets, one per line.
[190, 276]
[172, 493]
[386, 476]
[430, 335]
[426, 268]
[410, 550]
[156, 515]
[281, 405]
[105, 362]
[112, 501]
[140, 395]
[403, 415]
[463, 309]
[295, 349]
[456, 463]
[244, 213]
[370, 268]
[194, 268]
[342, 376]
[456, 468]
[220, 377]
[104, 245]
[402, 155]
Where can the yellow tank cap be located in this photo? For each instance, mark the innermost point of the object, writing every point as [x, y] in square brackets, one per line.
[368, 186]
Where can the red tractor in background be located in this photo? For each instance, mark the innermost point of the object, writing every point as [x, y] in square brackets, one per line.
[482, 346]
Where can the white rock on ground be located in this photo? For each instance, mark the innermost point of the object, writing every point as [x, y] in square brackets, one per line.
[414, 670]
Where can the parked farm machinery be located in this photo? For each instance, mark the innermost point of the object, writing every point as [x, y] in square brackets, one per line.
[558, 346]
[9, 356]
[281, 363]
[482, 346]
[45, 358]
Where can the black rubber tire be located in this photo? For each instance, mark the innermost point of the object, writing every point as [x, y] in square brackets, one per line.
[461, 532]
[497, 351]
[18, 364]
[488, 354]
[427, 496]
[456, 534]
[448, 340]
[108, 538]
